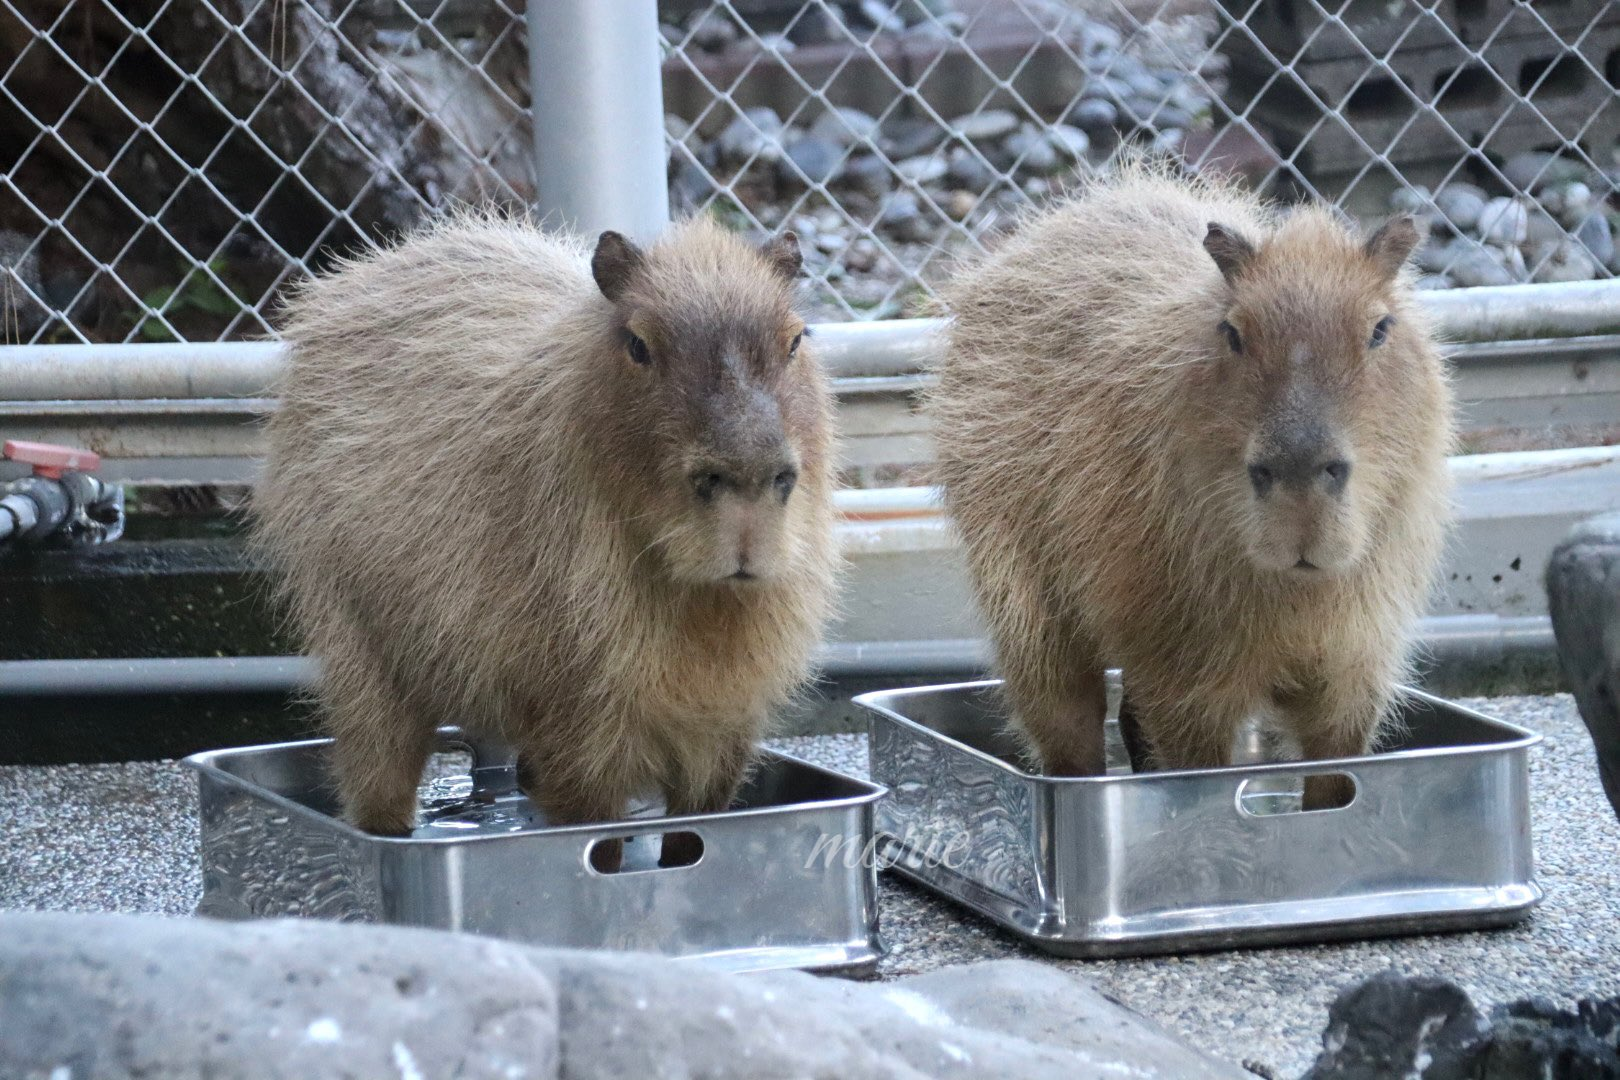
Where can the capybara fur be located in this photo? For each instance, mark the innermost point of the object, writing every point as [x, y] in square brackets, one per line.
[576, 501]
[1188, 433]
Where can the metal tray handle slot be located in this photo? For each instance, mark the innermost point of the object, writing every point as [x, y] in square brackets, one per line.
[1279, 794]
[679, 849]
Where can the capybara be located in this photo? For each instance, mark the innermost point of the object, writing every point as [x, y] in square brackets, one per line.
[1205, 439]
[578, 502]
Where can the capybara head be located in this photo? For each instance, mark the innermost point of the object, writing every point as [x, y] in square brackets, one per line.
[722, 407]
[1314, 359]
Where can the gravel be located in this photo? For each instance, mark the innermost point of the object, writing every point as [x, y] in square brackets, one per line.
[123, 838]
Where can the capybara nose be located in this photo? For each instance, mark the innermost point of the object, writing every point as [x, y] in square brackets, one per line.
[749, 482]
[1305, 471]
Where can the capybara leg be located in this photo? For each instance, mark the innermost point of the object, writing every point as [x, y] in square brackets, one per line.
[1054, 683]
[1336, 718]
[569, 797]
[1065, 717]
[1195, 733]
[705, 793]
[380, 746]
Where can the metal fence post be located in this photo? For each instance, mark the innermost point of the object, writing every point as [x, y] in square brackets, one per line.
[598, 101]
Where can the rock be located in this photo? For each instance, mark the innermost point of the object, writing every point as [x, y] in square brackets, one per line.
[1094, 114]
[901, 215]
[862, 255]
[1070, 142]
[1460, 204]
[1595, 234]
[869, 173]
[831, 242]
[1099, 36]
[1428, 1029]
[1503, 221]
[846, 127]
[1105, 88]
[968, 170]
[1037, 187]
[1046, 1007]
[959, 204]
[924, 169]
[1569, 203]
[1562, 260]
[1583, 597]
[907, 137]
[1411, 200]
[1535, 169]
[987, 125]
[133, 996]
[1542, 228]
[1164, 116]
[756, 131]
[816, 158]
[1430, 282]
[1391, 1025]
[780, 44]
[1168, 141]
[1033, 152]
[119, 997]
[712, 30]
[881, 16]
[1467, 263]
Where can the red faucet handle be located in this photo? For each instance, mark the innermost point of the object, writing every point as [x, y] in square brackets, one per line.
[48, 459]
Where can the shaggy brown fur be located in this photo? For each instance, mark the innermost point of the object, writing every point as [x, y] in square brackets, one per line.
[593, 519]
[1175, 447]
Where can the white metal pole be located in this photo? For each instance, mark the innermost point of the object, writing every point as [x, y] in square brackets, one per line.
[598, 110]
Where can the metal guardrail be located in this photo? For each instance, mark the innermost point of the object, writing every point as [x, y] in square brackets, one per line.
[191, 412]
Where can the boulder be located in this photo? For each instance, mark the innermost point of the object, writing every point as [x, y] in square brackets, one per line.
[119, 996]
[1583, 596]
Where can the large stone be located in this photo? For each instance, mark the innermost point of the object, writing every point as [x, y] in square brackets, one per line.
[1391, 1025]
[1583, 596]
[125, 996]
[1428, 1029]
[135, 996]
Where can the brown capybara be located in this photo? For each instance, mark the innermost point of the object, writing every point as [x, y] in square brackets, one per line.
[581, 503]
[1187, 433]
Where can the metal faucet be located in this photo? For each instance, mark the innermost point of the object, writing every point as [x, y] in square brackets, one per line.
[60, 502]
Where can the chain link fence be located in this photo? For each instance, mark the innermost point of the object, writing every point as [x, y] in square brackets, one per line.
[168, 167]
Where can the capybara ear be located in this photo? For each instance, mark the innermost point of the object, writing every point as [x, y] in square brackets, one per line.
[1392, 244]
[1229, 250]
[614, 264]
[782, 252]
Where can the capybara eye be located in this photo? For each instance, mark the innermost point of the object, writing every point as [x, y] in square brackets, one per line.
[705, 484]
[793, 346]
[1233, 340]
[638, 350]
[1381, 331]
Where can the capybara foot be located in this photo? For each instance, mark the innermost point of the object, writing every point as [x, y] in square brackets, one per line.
[607, 856]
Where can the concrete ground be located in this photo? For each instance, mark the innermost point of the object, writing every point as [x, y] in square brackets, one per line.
[124, 838]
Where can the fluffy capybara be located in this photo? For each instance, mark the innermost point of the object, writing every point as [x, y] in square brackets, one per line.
[578, 502]
[1205, 439]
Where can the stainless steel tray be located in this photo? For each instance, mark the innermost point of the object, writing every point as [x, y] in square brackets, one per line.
[773, 887]
[1436, 837]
